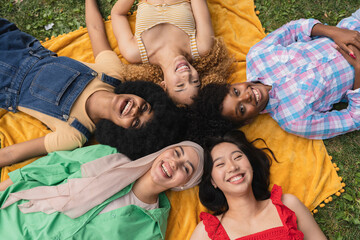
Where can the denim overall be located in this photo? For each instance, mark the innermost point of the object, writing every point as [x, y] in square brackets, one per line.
[34, 77]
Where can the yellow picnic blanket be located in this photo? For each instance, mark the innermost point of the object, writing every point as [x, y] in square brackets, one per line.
[304, 168]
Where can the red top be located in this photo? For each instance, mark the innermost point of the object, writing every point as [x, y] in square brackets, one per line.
[288, 231]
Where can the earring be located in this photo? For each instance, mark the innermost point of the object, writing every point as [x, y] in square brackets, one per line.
[182, 188]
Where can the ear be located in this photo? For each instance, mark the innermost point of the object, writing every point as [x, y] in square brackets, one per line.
[163, 85]
[213, 183]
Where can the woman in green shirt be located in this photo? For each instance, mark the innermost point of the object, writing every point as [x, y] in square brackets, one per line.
[80, 194]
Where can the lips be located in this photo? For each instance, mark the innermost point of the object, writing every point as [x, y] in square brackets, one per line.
[126, 107]
[165, 167]
[238, 178]
[182, 67]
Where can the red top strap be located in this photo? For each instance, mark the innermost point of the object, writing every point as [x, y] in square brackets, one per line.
[213, 226]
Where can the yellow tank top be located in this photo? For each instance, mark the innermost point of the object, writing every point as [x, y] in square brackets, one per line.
[178, 14]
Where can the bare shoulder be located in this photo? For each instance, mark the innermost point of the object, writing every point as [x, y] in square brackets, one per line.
[199, 232]
[290, 199]
[292, 202]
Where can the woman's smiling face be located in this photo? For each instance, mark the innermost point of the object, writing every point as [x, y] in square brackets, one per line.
[130, 111]
[245, 101]
[232, 172]
[181, 81]
[174, 167]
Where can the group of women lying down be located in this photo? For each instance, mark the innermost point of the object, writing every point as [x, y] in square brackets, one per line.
[74, 193]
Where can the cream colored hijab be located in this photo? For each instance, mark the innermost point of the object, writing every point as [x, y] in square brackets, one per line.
[101, 179]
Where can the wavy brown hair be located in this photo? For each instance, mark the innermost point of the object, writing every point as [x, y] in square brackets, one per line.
[214, 67]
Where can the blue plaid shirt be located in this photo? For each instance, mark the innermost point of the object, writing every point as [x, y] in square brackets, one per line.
[308, 75]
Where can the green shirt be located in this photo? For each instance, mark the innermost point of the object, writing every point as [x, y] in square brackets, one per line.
[130, 222]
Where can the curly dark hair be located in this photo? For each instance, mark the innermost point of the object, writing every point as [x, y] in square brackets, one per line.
[213, 198]
[165, 128]
[203, 122]
[209, 102]
[210, 98]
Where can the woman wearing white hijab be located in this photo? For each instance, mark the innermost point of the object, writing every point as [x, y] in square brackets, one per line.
[77, 195]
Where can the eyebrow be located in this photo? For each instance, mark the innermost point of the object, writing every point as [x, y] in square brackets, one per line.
[237, 151]
[232, 153]
[219, 158]
[191, 165]
[182, 150]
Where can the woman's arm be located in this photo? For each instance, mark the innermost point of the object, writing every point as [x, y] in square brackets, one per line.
[199, 232]
[126, 40]
[96, 28]
[204, 29]
[22, 151]
[342, 37]
[306, 222]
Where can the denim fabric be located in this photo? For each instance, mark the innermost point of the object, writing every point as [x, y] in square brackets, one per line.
[34, 77]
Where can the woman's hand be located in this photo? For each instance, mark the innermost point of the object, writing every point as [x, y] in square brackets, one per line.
[347, 40]
[342, 37]
[354, 60]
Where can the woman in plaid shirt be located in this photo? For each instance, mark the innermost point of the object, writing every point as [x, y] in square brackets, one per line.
[296, 74]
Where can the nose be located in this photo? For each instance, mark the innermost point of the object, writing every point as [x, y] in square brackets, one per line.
[173, 165]
[186, 76]
[232, 167]
[245, 97]
[135, 110]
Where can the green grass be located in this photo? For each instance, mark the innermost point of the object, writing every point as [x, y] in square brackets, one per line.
[339, 219]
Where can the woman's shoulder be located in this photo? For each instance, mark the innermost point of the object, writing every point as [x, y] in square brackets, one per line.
[287, 199]
[200, 231]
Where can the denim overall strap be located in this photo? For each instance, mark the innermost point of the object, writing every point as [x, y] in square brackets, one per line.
[110, 80]
[81, 128]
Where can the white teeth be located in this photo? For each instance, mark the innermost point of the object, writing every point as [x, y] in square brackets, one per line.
[127, 108]
[237, 178]
[165, 170]
[257, 95]
[182, 67]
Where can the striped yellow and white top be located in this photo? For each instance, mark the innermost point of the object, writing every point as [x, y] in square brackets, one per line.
[178, 14]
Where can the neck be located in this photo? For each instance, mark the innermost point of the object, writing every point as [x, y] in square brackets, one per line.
[97, 105]
[244, 205]
[165, 56]
[145, 190]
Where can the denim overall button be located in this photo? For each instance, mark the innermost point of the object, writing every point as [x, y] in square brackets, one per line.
[31, 52]
[94, 74]
[66, 117]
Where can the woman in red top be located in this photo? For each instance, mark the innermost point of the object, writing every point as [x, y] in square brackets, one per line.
[235, 187]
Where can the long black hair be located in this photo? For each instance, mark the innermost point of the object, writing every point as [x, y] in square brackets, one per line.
[213, 198]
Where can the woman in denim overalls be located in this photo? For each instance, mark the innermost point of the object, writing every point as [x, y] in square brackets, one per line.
[34, 79]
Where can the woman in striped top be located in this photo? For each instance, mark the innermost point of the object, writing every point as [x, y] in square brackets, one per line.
[180, 42]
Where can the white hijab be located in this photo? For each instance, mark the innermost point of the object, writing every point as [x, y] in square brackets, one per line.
[101, 179]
